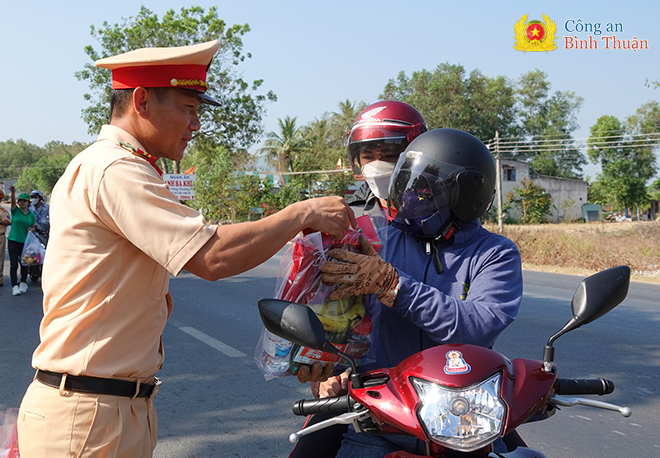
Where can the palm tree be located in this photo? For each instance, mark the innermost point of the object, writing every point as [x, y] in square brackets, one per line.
[282, 149]
[345, 117]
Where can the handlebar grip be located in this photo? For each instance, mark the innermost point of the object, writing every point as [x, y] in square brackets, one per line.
[598, 386]
[336, 404]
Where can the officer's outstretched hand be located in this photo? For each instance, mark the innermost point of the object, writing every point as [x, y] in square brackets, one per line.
[361, 274]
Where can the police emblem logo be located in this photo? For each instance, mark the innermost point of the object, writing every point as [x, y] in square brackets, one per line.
[535, 35]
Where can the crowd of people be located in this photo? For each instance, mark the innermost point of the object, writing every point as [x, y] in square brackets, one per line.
[28, 213]
[439, 277]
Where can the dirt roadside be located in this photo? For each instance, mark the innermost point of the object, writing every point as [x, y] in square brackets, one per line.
[584, 249]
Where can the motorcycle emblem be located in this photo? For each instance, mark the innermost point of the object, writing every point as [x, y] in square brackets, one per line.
[456, 364]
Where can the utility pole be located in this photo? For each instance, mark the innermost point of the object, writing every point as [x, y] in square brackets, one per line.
[498, 178]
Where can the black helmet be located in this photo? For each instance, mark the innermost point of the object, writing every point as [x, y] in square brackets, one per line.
[442, 172]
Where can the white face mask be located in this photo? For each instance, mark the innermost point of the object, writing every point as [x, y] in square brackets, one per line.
[34, 201]
[377, 175]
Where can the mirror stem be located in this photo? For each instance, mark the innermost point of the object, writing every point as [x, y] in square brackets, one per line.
[356, 379]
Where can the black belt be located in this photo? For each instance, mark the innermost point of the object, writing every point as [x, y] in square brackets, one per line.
[96, 385]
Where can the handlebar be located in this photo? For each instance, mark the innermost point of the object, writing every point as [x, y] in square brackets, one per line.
[569, 387]
[336, 404]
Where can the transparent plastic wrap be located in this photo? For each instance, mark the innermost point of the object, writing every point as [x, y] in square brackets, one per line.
[9, 434]
[346, 322]
[33, 251]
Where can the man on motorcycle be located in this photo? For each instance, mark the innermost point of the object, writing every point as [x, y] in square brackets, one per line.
[41, 211]
[442, 277]
[379, 135]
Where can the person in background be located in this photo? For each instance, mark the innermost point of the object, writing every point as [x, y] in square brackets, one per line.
[22, 221]
[117, 234]
[5, 221]
[442, 277]
[41, 211]
[378, 137]
[380, 133]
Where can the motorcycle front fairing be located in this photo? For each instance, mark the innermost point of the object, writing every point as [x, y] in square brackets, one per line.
[426, 394]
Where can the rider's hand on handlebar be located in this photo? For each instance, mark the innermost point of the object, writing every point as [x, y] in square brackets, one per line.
[334, 386]
[315, 373]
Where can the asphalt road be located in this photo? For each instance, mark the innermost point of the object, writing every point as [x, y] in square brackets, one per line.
[215, 402]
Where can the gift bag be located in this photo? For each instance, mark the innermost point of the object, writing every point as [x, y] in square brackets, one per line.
[33, 251]
[8, 434]
[346, 322]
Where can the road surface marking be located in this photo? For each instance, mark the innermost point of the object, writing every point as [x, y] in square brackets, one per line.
[213, 343]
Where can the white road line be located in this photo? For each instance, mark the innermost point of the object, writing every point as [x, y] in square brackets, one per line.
[213, 343]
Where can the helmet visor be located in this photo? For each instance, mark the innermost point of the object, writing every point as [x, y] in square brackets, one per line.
[422, 186]
[386, 149]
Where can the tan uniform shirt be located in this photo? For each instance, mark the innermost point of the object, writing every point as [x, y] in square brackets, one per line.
[4, 214]
[117, 233]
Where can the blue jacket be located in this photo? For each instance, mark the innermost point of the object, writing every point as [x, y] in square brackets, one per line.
[476, 296]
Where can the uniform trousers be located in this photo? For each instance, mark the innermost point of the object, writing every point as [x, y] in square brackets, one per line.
[58, 424]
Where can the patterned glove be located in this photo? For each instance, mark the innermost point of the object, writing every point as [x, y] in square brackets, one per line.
[361, 274]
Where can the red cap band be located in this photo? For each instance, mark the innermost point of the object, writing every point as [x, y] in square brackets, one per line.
[183, 76]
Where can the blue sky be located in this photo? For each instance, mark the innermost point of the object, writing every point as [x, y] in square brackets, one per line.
[315, 54]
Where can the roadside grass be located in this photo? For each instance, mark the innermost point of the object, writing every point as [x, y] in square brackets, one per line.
[588, 248]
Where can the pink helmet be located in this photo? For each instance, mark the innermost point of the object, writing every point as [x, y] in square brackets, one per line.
[392, 123]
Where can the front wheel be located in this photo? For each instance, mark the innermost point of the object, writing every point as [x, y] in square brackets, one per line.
[35, 273]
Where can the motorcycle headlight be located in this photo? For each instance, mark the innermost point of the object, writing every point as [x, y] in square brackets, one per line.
[462, 419]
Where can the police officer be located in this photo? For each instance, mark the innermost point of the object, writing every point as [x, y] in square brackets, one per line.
[117, 233]
[5, 221]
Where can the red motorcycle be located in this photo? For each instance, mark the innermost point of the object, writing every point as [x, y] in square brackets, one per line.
[457, 398]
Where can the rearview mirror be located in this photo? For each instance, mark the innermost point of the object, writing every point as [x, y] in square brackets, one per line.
[595, 296]
[600, 293]
[293, 322]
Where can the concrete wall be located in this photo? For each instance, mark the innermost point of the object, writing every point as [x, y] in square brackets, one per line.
[567, 195]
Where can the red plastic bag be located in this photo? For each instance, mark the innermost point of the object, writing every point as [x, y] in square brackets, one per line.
[346, 322]
[9, 434]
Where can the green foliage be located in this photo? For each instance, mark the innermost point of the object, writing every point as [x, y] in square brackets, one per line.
[45, 173]
[654, 190]
[481, 105]
[36, 167]
[543, 116]
[236, 123]
[449, 97]
[532, 200]
[317, 146]
[282, 149]
[626, 157]
[15, 156]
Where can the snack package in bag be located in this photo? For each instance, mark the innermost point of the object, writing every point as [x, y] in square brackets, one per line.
[346, 323]
[9, 434]
[33, 251]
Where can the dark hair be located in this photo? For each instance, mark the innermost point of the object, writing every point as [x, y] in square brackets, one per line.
[119, 102]
[121, 99]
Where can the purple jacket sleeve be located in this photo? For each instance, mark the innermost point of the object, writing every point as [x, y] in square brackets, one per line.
[475, 307]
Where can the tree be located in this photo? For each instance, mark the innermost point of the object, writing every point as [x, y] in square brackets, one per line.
[627, 164]
[448, 97]
[532, 200]
[36, 167]
[44, 173]
[236, 123]
[545, 124]
[17, 155]
[283, 149]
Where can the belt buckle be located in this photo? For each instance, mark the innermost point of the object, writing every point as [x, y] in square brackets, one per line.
[157, 383]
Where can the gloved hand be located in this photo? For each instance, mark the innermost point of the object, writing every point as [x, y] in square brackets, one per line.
[317, 372]
[361, 274]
